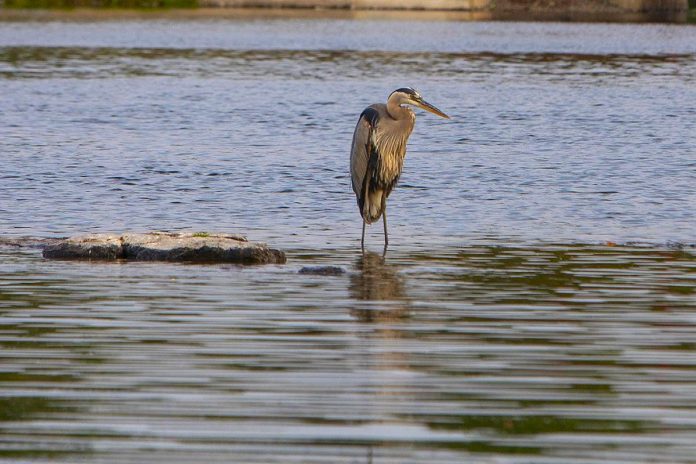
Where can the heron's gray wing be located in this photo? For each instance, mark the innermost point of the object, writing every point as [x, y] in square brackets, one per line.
[363, 155]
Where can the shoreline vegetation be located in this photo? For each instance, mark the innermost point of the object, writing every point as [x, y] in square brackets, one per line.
[670, 11]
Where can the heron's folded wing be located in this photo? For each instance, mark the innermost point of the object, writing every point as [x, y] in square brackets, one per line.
[362, 149]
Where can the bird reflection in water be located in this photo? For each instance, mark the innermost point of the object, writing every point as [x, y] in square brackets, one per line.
[381, 303]
[378, 281]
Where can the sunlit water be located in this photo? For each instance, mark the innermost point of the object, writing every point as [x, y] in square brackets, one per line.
[536, 305]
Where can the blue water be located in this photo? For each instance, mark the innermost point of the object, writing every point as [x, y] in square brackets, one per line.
[536, 304]
[560, 132]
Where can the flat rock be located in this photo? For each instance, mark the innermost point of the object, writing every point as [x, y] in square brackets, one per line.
[165, 246]
[323, 270]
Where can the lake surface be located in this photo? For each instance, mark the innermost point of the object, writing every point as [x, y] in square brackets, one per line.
[537, 303]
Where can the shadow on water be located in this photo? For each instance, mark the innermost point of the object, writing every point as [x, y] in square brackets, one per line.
[17, 409]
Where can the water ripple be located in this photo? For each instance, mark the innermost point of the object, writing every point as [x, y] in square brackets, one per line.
[527, 353]
[536, 305]
[89, 63]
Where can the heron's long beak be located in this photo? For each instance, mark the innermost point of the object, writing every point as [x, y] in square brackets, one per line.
[428, 107]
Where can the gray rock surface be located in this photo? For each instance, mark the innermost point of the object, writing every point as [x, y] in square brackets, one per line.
[323, 270]
[165, 246]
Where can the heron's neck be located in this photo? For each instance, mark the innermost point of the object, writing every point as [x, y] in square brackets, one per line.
[397, 111]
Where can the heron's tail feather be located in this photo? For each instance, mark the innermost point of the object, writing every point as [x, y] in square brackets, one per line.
[373, 206]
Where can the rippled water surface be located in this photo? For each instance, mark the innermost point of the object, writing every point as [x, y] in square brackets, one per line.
[536, 304]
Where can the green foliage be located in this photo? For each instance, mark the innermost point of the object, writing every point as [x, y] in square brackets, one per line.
[201, 234]
[100, 3]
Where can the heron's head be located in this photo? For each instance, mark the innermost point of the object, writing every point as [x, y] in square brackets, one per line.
[409, 96]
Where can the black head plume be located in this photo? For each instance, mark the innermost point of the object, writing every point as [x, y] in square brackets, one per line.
[413, 93]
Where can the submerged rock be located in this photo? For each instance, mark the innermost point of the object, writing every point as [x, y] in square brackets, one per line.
[164, 246]
[27, 242]
[323, 270]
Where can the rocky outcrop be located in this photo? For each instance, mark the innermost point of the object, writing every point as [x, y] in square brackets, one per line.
[164, 246]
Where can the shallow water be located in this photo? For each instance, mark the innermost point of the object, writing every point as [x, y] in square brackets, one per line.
[504, 325]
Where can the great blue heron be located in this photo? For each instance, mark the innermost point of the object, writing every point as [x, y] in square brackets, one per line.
[378, 151]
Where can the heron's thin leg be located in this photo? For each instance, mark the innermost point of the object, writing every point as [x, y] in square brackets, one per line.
[362, 240]
[386, 235]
